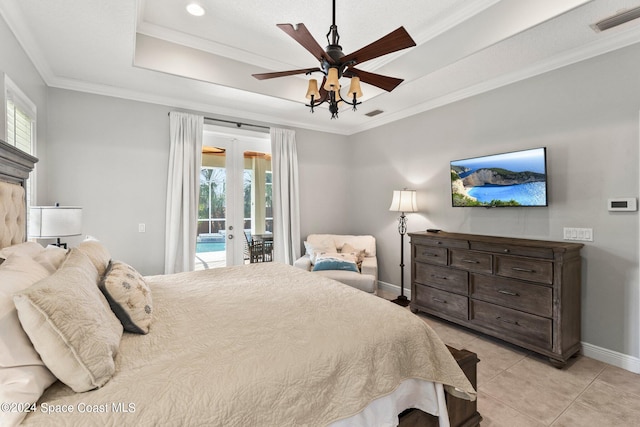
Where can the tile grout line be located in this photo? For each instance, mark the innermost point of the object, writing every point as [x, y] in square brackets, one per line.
[579, 395]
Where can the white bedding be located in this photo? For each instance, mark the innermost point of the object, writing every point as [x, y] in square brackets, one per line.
[258, 345]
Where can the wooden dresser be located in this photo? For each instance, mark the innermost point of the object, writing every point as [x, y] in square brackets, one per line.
[526, 292]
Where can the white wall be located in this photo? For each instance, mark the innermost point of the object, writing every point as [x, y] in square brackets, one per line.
[587, 117]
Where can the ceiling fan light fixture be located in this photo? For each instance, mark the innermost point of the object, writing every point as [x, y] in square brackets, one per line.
[195, 9]
[354, 88]
[332, 82]
[312, 90]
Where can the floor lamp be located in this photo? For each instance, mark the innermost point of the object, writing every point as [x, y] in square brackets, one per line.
[403, 201]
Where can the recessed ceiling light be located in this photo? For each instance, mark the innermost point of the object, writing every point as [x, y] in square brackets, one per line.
[195, 9]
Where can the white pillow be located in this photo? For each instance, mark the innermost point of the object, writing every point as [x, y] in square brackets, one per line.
[97, 253]
[319, 247]
[23, 376]
[51, 257]
[70, 324]
[27, 249]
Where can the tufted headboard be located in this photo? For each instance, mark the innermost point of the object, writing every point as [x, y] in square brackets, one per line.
[15, 166]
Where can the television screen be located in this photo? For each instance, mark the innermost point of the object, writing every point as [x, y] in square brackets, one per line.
[518, 178]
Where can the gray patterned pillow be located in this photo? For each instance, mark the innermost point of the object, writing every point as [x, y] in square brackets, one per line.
[129, 296]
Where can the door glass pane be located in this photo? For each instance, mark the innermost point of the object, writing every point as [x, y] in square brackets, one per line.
[211, 239]
[258, 206]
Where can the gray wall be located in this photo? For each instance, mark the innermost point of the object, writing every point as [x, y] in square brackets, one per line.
[110, 156]
[587, 117]
[17, 65]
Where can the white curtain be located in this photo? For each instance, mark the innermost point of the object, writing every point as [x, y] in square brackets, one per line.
[183, 189]
[286, 203]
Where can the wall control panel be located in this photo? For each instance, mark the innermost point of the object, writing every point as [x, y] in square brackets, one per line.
[623, 204]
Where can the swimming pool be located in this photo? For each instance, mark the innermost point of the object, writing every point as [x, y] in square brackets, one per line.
[210, 246]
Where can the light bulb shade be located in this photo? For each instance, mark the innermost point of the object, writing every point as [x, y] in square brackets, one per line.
[55, 221]
[332, 82]
[404, 201]
[313, 89]
[354, 88]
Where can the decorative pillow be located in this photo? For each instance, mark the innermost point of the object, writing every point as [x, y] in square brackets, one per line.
[129, 296]
[23, 376]
[27, 249]
[97, 253]
[70, 324]
[51, 258]
[335, 261]
[324, 246]
[359, 253]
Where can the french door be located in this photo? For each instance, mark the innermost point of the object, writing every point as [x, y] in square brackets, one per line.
[235, 195]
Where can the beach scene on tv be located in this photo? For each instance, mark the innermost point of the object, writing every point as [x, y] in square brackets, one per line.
[510, 179]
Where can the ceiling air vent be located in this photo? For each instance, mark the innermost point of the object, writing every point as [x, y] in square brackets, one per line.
[374, 113]
[618, 19]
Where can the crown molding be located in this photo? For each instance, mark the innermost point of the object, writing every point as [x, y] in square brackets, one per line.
[605, 45]
[13, 17]
[172, 102]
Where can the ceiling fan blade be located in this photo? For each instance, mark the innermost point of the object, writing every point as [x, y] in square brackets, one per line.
[306, 40]
[383, 82]
[263, 76]
[394, 41]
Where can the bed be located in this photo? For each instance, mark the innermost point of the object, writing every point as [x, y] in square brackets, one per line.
[257, 345]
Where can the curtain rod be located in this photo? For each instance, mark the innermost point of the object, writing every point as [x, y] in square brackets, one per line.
[238, 124]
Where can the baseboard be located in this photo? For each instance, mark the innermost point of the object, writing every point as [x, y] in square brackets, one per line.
[393, 289]
[611, 357]
[620, 360]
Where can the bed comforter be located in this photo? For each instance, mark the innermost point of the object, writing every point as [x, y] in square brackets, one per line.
[257, 345]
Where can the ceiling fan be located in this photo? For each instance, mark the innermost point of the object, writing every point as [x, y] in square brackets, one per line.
[334, 64]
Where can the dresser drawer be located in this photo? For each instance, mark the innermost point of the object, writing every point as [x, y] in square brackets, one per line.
[472, 261]
[444, 278]
[515, 324]
[526, 269]
[534, 299]
[431, 254]
[442, 301]
[511, 249]
[442, 243]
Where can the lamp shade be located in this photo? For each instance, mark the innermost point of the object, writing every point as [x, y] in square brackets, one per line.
[404, 201]
[332, 82]
[313, 89]
[55, 221]
[354, 88]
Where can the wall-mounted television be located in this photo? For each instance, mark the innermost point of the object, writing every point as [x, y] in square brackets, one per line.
[518, 178]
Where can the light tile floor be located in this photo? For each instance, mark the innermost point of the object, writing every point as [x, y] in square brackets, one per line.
[517, 388]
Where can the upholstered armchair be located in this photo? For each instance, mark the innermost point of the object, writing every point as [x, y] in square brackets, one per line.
[334, 256]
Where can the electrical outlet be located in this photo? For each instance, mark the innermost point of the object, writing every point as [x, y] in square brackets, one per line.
[142, 228]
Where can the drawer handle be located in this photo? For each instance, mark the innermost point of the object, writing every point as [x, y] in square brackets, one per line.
[429, 254]
[439, 300]
[506, 251]
[524, 270]
[512, 322]
[438, 243]
[439, 277]
[505, 292]
[471, 261]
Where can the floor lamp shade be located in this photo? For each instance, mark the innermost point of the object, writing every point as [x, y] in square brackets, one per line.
[46, 222]
[404, 201]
